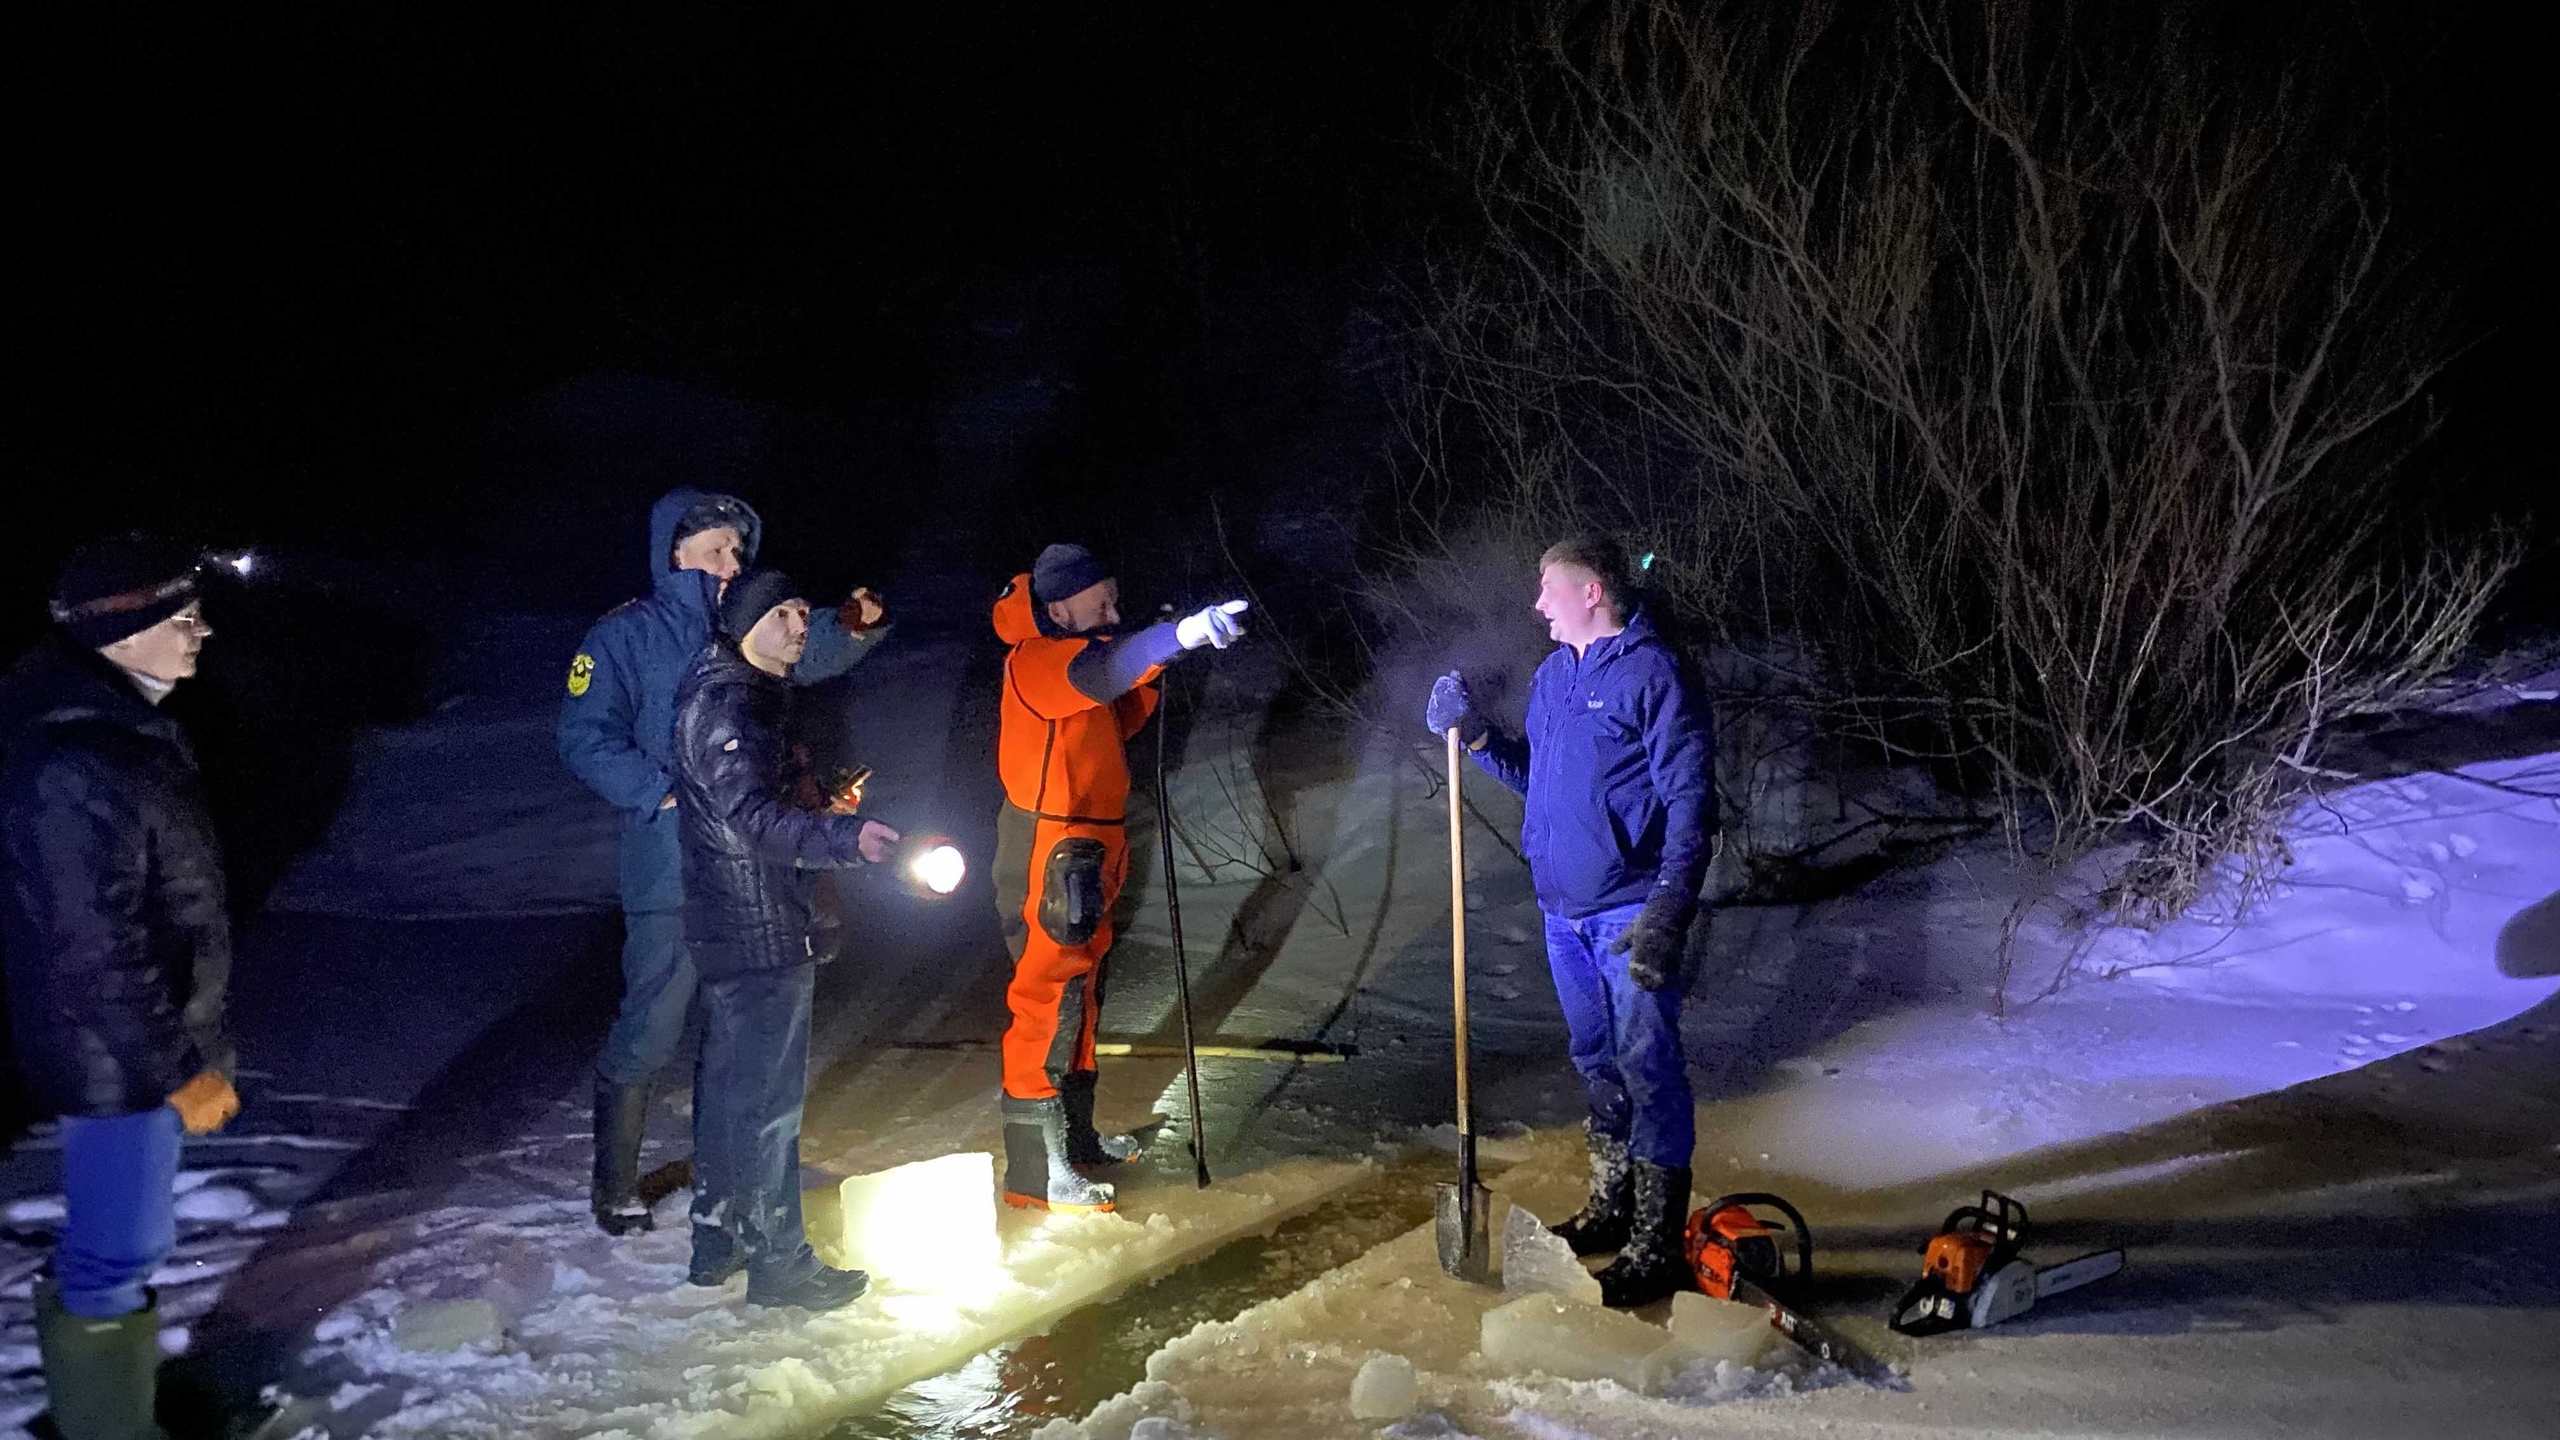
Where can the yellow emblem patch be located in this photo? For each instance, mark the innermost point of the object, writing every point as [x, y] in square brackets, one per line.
[582, 672]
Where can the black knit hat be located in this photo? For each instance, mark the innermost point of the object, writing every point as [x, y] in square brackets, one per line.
[1064, 570]
[749, 597]
[114, 588]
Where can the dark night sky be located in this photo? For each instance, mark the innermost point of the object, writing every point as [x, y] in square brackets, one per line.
[279, 264]
[278, 248]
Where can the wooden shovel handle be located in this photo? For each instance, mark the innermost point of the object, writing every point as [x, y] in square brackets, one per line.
[1458, 934]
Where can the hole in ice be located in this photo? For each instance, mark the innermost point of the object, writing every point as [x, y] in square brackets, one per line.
[1101, 1350]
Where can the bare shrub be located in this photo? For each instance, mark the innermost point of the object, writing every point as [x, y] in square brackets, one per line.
[2053, 374]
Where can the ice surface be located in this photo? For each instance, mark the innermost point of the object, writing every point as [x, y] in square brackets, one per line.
[440, 1327]
[926, 1226]
[1712, 1332]
[619, 1335]
[1149, 1411]
[521, 1279]
[1550, 1335]
[1536, 1261]
[1385, 1388]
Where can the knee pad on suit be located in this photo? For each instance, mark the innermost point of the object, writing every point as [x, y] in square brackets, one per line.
[1071, 899]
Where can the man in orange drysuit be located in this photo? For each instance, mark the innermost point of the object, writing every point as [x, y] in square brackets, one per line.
[1074, 691]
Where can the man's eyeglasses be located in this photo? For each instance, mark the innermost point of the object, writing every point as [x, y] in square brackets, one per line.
[192, 622]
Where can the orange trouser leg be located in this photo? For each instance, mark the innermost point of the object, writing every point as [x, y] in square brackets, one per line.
[1054, 996]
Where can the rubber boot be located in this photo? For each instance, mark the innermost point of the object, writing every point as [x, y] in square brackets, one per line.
[1601, 1225]
[1086, 1145]
[1038, 1174]
[622, 1117]
[717, 1255]
[808, 1283]
[1653, 1264]
[100, 1376]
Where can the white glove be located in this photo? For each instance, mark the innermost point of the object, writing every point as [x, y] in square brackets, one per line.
[1216, 625]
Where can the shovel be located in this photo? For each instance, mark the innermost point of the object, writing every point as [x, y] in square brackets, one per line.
[1458, 1213]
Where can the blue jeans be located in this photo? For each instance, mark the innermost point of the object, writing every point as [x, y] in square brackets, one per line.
[749, 1084]
[120, 1209]
[1625, 1038]
[657, 988]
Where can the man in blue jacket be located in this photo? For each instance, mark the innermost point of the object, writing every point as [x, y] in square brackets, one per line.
[616, 732]
[1618, 767]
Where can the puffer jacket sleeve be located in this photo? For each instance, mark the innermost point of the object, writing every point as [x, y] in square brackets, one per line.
[188, 865]
[727, 755]
[109, 1037]
[598, 733]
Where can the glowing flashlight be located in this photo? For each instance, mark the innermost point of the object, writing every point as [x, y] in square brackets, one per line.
[937, 866]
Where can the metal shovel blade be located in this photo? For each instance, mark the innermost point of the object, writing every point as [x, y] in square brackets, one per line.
[1460, 1227]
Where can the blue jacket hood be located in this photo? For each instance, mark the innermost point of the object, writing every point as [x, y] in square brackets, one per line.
[669, 513]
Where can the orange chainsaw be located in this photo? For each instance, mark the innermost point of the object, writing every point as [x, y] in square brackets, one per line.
[1729, 1240]
[1735, 1253]
[1972, 1274]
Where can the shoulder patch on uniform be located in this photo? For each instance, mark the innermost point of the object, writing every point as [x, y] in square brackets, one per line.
[582, 673]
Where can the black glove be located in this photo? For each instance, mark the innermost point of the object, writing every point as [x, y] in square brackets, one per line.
[1655, 944]
[1452, 708]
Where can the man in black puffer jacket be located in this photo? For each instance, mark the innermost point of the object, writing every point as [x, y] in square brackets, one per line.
[118, 950]
[751, 858]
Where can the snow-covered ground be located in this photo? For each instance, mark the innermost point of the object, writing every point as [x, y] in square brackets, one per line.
[2325, 1132]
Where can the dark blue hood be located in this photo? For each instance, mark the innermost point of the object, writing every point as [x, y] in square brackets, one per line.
[669, 513]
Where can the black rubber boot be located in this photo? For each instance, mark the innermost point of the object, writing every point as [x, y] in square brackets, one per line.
[622, 1117]
[1086, 1145]
[717, 1255]
[100, 1376]
[808, 1283]
[1601, 1225]
[1038, 1174]
[1653, 1264]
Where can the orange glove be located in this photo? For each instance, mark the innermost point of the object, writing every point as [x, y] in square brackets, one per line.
[862, 611]
[206, 1103]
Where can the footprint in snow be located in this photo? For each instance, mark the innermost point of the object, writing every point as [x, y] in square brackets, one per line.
[2417, 889]
[2463, 845]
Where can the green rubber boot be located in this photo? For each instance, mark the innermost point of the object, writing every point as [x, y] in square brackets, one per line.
[100, 1376]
